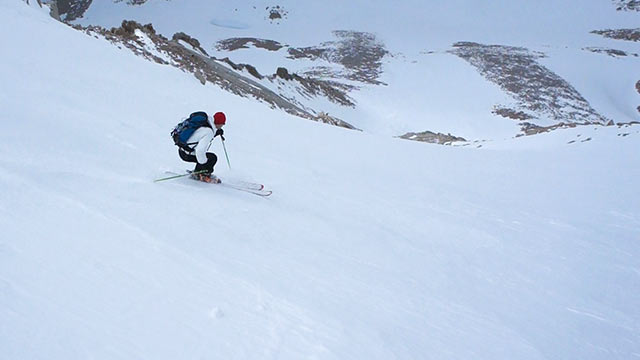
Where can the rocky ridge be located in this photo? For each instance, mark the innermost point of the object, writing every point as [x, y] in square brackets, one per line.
[185, 52]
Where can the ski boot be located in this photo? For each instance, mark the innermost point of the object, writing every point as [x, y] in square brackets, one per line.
[205, 177]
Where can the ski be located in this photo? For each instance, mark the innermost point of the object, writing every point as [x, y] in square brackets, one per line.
[261, 192]
[243, 185]
[250, 187]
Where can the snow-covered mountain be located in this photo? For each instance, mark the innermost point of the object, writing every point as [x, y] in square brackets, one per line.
[519, 67]
[371, 247]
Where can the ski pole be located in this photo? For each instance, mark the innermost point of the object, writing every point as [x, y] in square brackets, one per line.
[225, 153]
[181, 175]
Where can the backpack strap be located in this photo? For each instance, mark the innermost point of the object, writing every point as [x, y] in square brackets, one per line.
[189, 147]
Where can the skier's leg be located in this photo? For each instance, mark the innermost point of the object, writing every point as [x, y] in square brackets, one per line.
[187, 157]
[212, 159]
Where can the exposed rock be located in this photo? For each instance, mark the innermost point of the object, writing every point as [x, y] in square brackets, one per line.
[189, 40]
[627, 5]
[327, 119]
[312, 53]
[233, 44]
[283, 73]
[511, 113]
[39, 2]
[133, 2]
[276, 13]
[431, 137]
[360, 53]
[610, 52]
[334, 91]
[53, 10]
[536, 88]
[199, 74]
[620, 34]
[251, 69]
[70, 10]
[533, 129]
[128, 28]
[628, 124]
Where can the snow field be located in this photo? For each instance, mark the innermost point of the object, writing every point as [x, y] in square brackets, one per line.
[370, 247]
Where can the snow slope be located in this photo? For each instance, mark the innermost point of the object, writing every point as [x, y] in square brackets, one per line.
[370, 247]
[428, 88]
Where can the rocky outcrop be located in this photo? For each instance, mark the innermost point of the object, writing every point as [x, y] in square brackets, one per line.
[331, 120]
[627, 5]
[70, 10]
[53, 11]
[511, 113]
[276, 13]
[360, 54]
[433, 138]
[240, 67]
[283, 73]
[233, 44]
[189, 40]
[333, 91]
[538, 90]
[609, 52]
[132, 2]
[533, 129]
[620, 34]
[38, 1]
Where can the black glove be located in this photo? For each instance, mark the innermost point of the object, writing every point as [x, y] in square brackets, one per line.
[219, 132]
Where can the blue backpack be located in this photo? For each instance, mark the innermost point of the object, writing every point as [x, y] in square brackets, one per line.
[183, 131]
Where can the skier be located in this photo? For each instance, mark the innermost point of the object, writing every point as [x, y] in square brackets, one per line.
[199, 133]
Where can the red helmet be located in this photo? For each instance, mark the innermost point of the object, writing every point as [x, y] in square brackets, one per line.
[219, 118]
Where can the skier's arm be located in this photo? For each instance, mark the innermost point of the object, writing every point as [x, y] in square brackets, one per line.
[203, 146]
